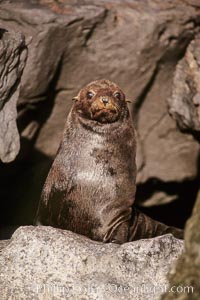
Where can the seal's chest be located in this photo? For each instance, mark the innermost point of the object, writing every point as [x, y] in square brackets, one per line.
[95, 166]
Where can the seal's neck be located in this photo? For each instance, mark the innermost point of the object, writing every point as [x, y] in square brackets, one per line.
[98, 127]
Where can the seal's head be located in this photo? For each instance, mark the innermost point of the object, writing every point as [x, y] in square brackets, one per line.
[102, 101]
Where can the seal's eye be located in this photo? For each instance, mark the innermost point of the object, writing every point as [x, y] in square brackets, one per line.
[90, 95]
[117, 95]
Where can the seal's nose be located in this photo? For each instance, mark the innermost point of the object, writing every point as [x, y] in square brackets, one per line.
[104, 100]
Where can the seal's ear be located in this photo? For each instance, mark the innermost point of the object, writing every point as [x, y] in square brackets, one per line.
[128, 101]
[75, 98]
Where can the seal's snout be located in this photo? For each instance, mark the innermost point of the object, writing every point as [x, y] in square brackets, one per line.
[105, 100]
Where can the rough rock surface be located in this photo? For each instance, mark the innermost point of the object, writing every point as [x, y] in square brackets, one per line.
[187, 272]
[184, 105]
[48, 263]
[186, 113]
[13, 54]
[135, 43]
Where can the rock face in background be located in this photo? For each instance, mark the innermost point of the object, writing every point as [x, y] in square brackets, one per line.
[184, 105]
[137, 44]
[13, 54]
[48, 263]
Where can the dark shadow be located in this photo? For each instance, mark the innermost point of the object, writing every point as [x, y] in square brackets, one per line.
[175, 213]
[21, 184]
[2, 31]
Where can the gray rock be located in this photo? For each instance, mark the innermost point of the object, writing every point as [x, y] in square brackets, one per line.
[13, 54]
[187, 271]
[3, 244]
[48, 263]
[184, 104]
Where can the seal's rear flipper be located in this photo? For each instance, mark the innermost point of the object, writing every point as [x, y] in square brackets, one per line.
[142, 226]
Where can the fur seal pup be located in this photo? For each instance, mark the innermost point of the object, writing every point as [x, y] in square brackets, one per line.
[90, 188]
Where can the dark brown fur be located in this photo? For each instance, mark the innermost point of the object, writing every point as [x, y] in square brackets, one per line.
[91, 186]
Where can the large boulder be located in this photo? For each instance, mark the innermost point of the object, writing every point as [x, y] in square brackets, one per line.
[187, 271]
[184, 104]
[48, 263]
[185, 109]
[13, 53]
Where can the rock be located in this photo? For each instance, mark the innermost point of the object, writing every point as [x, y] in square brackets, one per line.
[48, 263]
[187, 271]
[184, 104]
[184, 107]
[3, 244]
[13, 54]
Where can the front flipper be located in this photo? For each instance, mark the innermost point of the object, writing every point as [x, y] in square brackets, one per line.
[53, 198]
[117, 229]
[142, 227]
[120, 236]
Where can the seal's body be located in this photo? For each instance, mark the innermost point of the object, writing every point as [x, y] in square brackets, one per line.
[91, 186]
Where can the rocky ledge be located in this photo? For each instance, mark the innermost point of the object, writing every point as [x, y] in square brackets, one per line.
[48, 263]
